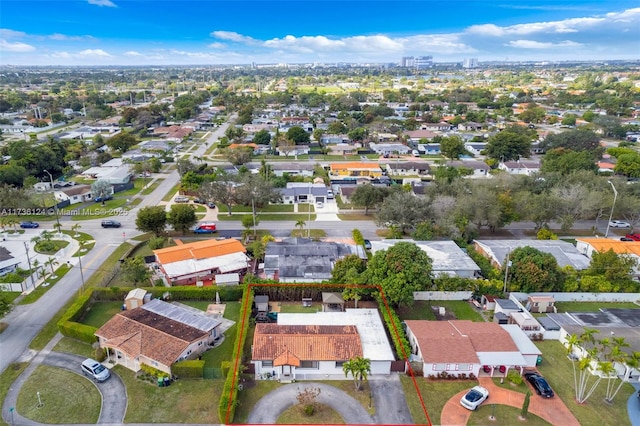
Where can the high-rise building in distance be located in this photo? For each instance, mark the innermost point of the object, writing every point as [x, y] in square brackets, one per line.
[470, 63]
[417, 62]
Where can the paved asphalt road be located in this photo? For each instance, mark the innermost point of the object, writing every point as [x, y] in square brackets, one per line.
[25, 321]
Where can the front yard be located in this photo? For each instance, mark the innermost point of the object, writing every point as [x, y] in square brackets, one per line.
[557, 369]
[435, 394]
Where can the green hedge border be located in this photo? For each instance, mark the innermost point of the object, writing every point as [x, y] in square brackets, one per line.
[229, 396]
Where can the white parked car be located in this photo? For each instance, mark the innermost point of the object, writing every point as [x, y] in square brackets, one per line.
[476, 396]
[619, 224]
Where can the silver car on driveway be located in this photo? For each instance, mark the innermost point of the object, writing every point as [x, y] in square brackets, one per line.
[476, 396]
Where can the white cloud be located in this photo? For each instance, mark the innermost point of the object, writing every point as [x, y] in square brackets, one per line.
[107, 3]
[571, 25]
[98, 53]
[217, 45]
[64, 37]
[132, 53]
[233, 36]
[6, 33]
[532, 44]
[16, 46]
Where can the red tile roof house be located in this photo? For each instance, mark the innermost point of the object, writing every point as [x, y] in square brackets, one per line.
[198, 263]
[157, 334]
[464, 347]
[289, 352]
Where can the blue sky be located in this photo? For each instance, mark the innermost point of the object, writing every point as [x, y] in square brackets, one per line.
[146, 32]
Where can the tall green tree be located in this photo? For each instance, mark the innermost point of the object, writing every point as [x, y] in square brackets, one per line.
[348, 270]
[122, 141]
[135, 271]
[452, 147]
[533, 270]
[400, 270]
[298, 135]
[182, 217]
[368, 196]
[151, 219]
[508, 145]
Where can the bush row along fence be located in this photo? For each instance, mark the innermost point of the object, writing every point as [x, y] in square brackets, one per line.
[229, 396]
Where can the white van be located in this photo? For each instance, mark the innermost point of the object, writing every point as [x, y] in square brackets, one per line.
[415, 153]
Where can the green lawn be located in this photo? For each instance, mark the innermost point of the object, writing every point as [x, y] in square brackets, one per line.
[55, 246]
[435, 395]
[356, 216]
[73, 346]
[185, 401]
[100, 313]
[44, 287]
[312, 233]
[270, 216]
[270, 208]
[66, 397]
[421, 310]
[593, 306]
[324, 415]
[171, 192]
[8, 376]
[503, 415]
[78, 235]
[224, 352]
[297, 308]
[557, 369]
[149, 189]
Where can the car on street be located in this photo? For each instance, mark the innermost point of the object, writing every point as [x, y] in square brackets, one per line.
[634, 237]
[95, 370]
[181, 199]
[619, 224]
[29, 224]
[476, 396]
[100, 199]
[107, 223]
[539, 384]
[205, 228]
[367, 245]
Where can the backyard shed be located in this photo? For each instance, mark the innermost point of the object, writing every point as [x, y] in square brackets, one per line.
[135, 298]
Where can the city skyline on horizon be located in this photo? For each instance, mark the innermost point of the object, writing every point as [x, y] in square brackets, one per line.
[145, 33]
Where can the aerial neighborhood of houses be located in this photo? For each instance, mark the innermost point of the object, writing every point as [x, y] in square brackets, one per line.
[428, 237]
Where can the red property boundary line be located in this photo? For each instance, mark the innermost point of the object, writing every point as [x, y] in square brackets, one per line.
[386, 304]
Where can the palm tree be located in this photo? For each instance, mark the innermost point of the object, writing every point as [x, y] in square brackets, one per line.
[35, 265]
[572, 341]
[75, 228]
[300, 224]
[359, 368]
[58, 227]
[609, 372]
[585, 367]
[51, 262]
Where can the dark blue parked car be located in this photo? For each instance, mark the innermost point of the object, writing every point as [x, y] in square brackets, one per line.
[29, 224]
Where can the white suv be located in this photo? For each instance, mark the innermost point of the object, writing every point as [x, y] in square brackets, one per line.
[619, 224]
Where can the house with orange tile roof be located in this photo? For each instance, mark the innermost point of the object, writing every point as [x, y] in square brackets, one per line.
[157, 334]
[290, 352]
[198, 263]
[460, 347]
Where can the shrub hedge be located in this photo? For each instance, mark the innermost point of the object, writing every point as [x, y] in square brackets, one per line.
[357, 237]
[229, 396]
[399, 339]
[67, 324]
[188, 369]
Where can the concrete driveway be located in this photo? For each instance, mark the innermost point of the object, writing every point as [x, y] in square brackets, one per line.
[388, 397]
[269, 408]
[552, 410]
[113, 392]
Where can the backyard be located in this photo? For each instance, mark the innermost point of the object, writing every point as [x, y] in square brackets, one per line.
[424, 310]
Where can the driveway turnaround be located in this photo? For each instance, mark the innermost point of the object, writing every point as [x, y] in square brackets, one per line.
[552, 410]
[114, 394]
[269, 408]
